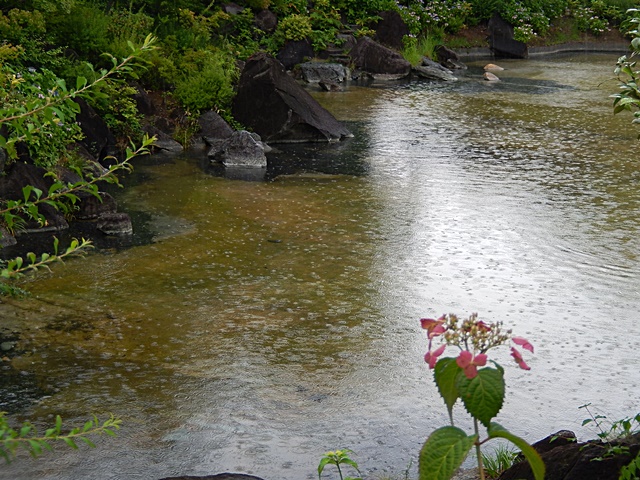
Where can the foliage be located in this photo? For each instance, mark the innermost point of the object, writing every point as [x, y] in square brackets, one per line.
[500, 460]
[628, 76]
[31, 112]
[435, 17]
[293, 28]
[631, 471]
[27, 437]
[480, 388]
[417, 48]
[617, 430]
[337, 458]
[207, 80]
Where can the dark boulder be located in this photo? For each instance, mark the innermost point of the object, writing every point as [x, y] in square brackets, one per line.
[294, 53]
[501, 41]
[391, 29]
[565, 459]
[98, 139]
[448, 58]
[273, 105]
[20, 174]
[213, 127]
[92, 207]
[378, 60]
[164, 141]
[266, 20]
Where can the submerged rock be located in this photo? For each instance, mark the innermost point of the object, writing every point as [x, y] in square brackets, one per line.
[115, 224]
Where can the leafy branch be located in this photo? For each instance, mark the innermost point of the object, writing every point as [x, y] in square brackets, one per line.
[27, 438]
[59, 95]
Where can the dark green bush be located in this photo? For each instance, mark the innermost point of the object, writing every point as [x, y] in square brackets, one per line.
[207, 80]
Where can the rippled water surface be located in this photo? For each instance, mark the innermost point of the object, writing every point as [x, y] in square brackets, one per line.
[253, 325]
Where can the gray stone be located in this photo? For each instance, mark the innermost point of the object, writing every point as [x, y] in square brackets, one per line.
[213, 127]
[378, 60]
[316, 72]
[433, 71]
[241, 149]
[276, 107]
[163, 140]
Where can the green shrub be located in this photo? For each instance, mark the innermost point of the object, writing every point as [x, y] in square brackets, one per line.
[48, 137]
[85, 30]
[207, 81]
[294, 27]
[325, 22]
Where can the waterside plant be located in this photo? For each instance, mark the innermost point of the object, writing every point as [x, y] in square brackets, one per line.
[480, 388]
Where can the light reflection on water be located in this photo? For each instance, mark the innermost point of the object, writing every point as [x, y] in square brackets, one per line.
[268, 322]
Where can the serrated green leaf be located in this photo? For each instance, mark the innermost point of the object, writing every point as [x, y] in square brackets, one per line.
[443, 453]
[495, 430]
[482, 395]
[445, 375]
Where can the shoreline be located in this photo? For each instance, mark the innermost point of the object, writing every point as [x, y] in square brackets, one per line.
[538, 51]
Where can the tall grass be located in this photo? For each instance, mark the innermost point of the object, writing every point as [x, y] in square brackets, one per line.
[416, 48]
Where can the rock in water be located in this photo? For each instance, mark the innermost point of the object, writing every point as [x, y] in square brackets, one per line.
[378, 60]
[273, 105]
[241, 149]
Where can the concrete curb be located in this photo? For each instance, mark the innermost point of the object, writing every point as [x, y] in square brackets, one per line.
[587, 46]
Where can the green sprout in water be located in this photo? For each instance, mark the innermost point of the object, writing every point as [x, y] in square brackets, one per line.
[337, 458]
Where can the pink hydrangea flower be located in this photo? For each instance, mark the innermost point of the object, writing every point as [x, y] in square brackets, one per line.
[523, 342]
[432, 357]
[469, 363]
[518, 358]
[433, 327]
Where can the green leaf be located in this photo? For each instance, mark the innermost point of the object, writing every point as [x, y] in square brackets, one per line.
[482, 395]
[80, 82]
[443, 453]
[446, 374]
[495, 430]
[323, 463]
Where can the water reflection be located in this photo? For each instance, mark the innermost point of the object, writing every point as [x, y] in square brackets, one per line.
[261, 323]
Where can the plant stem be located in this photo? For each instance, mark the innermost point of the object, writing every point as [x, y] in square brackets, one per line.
[478, 453]
[339, 471]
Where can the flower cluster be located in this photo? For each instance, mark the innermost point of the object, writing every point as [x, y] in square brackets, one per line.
[474, 338]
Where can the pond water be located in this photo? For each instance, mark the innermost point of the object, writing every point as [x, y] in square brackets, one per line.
[253, 324]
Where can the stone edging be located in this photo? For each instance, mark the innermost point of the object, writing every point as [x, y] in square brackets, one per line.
[587, 46]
